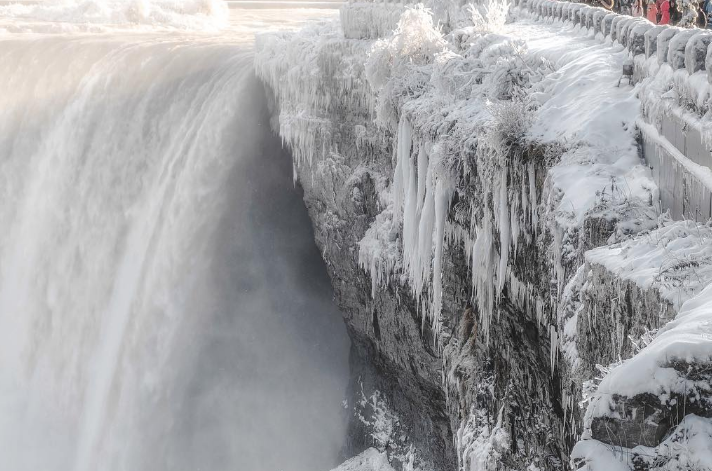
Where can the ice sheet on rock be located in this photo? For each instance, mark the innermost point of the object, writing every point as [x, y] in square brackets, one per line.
[481, 444]
[307, 72]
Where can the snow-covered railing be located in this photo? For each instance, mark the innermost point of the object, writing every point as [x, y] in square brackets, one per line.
[675, 68]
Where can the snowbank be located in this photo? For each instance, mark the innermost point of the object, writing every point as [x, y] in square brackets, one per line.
[675, 259]
[661, 368]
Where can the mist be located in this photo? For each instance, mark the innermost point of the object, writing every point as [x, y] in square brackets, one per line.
[271, 363]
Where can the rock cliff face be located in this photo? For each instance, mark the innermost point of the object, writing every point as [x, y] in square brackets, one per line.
[457, 188]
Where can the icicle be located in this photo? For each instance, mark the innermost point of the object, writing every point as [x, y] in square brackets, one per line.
[504, 233]
[443, 195]
[483, 255]
[422, 175]
[420, 266]
[402, 170]
[532, 198]
[558, 256]
[410, 212]
[514, 225]
[553, 346]
[525, 200]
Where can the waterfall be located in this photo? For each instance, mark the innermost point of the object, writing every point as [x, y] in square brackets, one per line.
[162, 303]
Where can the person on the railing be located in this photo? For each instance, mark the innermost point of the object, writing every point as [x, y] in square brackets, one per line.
[701, 21]
[637, 8]
[675, 12]
[625, 7]
[664, 8]
[707, 9]
[653, 11]
[689, 16]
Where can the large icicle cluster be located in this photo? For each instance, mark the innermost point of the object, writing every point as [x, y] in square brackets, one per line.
[415, 74]
[296, 66]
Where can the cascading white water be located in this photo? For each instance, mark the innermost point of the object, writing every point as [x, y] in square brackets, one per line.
[154, 312]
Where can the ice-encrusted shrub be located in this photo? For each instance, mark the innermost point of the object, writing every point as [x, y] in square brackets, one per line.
[414, 43]
[511, 120]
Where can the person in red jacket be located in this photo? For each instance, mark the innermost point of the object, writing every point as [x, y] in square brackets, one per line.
[664, 12]
[653, 12]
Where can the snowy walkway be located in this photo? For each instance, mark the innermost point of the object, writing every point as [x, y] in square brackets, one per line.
[583, 108]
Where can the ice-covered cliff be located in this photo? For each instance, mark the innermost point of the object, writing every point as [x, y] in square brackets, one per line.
[475, 178]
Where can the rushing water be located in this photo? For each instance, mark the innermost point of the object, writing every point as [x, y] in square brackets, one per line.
[162, 303]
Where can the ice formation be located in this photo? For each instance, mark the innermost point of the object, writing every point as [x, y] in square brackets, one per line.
[509, 143]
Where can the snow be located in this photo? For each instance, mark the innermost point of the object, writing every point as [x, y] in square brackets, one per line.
[603, 153]
[597, 456]
[378, 418]
[688, 447]
[414, 42]
[581, 107]
[369, 460]
[675, 259]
